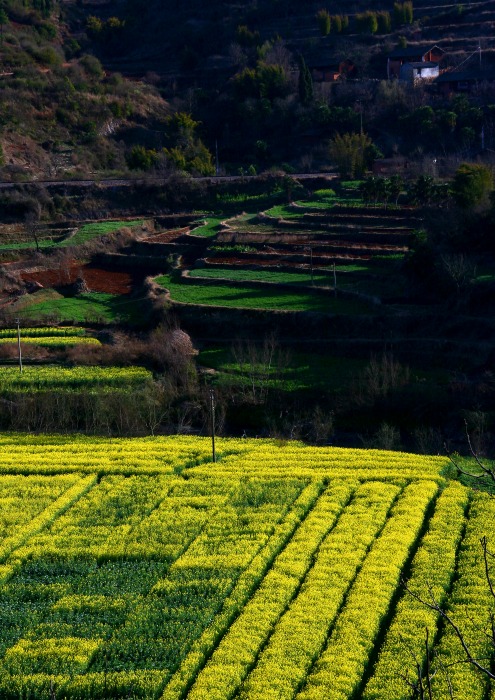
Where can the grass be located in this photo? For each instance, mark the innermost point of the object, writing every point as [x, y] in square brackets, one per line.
[375, 278]
[82, 235]
[92, 307]
[298, 371]
[88, 231]
[29, 245]
[241, 275]
[209, 228]
[247, 297]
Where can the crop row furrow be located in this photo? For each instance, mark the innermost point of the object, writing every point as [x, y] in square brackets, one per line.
[237, 651]
[247, 583]
[338, 672]
[470, 607]
[47, 516]
[431, 573]
[301, 633]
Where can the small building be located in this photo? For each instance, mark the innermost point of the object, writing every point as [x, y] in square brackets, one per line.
[419, 72]
[467, 81]
[398, 165]
[328, 72]
[412, 54]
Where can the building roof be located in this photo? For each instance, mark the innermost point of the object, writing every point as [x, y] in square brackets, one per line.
[422, 64]
[411, 51]
[466, 76]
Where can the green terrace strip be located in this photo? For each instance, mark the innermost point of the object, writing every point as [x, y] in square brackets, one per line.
[52, 341]
[249, 297]
[339, 669]
[56, 377]
[88, 231]
[92, 307]
[336, 562]
[471, 607]
[432, 571]
[207, 227]
[302, 278]
[45, 332]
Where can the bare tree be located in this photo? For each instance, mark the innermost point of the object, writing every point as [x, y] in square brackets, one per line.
[486, 474]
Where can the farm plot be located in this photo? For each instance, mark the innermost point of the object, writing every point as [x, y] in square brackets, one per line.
[257, 297]
[56, 377]
[139, 569]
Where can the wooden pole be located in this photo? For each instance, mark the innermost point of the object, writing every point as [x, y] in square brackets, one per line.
[19, 343]
[212, 417]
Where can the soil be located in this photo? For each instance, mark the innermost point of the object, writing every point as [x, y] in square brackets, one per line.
[97, 279]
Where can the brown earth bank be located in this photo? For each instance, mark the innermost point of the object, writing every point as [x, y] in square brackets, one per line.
[97, 279]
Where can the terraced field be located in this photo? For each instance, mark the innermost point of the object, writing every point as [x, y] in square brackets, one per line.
[333, 243]
[140, 569]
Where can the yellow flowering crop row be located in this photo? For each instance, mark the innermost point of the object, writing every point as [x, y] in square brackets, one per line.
[60, 655]
[120, 515]
[267, 458]
[24, 497]
[431, 572]
[47, 331]
[54, 376]
[52, 341]
[142, 684]
[238, 649]
[262, 459]
[247, 583]
[60, 454]
[338, 671]
[310, 614]
[470, 606]
[194, 589]
[47, 516]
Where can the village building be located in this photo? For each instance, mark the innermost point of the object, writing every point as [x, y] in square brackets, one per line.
[330, 72]
[419, 72]
[467, 81]
[412, 54]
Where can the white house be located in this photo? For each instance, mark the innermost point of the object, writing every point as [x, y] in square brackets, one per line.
[419, 72]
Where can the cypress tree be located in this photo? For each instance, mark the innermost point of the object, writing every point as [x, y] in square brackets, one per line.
[305, 82]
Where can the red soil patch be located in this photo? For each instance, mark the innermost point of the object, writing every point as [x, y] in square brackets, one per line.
[97, 279]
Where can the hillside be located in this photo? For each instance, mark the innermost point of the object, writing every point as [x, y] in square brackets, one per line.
[123, 87]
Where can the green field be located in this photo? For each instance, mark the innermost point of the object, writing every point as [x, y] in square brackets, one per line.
[82, 235]
[295, 371]
[93, 307]
[248, 297]
[137, 568]
[88, 231]
[375, 278]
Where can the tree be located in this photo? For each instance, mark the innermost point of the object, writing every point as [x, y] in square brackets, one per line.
[324, 22]
[305, 82]
[396, 185]
[421, 192]
[3, 21]
[472, 185]
[367, 22]
[352, 153]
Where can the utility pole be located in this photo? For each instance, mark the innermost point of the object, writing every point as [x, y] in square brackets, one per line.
[19, 342]
[212, 418]
[217, 163]
[310, 248]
